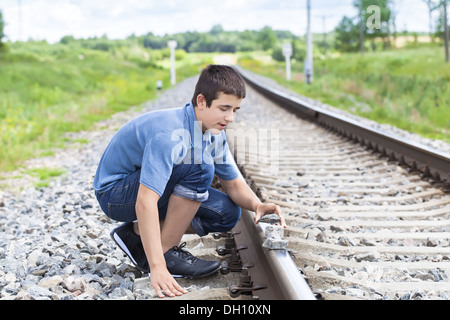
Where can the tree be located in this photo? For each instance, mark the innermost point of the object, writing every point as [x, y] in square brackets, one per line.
[432, 5]
[267, 38]
[444, 5]
[373, 21]
[347, 33]
[381, 11]
[2, 35]
[442, 28]
[247, 40]
[216, 29]
[67, 39]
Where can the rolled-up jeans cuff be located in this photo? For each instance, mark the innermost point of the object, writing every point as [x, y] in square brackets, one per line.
[183, 192]
[197, 226]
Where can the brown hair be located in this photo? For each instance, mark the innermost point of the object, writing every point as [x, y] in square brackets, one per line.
[216, 79]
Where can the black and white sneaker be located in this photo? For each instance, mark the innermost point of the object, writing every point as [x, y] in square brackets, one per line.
[131, 244]
[182, 264]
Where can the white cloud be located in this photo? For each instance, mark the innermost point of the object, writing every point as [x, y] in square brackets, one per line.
[41, 19]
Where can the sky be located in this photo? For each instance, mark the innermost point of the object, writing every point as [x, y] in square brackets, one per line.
[53, 19]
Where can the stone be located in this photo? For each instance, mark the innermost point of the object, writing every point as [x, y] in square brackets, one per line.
[50, 282]
[344, 241]
[431, 243]
[74, 283]
[274, 237]
[39, 293]
[121, 294]
[270, 218]
[370, 256]
[275, 244]
[354, 292]
[322, 237]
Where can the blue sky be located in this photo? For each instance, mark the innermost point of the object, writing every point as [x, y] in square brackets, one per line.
[52, 19]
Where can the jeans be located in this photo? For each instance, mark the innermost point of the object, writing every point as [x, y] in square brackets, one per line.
[217, 212]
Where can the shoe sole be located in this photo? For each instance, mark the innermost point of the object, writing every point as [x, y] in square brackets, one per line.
[124, 248]
[197, 277]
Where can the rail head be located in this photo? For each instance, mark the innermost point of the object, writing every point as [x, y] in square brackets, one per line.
[274, 273]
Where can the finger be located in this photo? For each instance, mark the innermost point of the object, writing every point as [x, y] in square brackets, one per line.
[170, 291]
[257, 217]
[177, 289]
[162, 290]
[159, 292]
[278, 212]
[167, 291]
[283, 222]
[180, 288]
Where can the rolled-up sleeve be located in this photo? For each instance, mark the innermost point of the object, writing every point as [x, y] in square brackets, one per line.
[158, 162]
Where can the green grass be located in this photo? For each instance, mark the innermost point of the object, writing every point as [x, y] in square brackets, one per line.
[47, 90]
[407, 88]
[44, 175]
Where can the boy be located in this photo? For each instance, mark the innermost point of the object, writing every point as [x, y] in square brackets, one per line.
[155, 176]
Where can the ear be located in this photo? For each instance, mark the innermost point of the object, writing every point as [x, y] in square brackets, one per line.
[201, 101]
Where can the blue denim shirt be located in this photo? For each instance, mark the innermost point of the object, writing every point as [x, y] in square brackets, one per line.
[156, 142]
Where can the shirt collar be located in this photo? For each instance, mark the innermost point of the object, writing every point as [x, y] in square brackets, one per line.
[194, 127]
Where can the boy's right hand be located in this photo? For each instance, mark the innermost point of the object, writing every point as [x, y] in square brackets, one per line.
[164, 283]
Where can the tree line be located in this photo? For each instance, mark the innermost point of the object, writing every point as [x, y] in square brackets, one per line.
[215, 40]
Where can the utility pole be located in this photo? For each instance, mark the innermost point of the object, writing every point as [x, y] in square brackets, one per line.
[361, 27]
[172, 45]
[309, 73]
[444, 3]
[324, 26]
[287, 52]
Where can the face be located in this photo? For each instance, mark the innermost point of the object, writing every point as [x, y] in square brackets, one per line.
[221, 112]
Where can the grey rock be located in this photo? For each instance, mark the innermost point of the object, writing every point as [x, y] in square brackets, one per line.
[370, 256]
[39, 293]
[270, 218]
[274, 237]
[122, 294]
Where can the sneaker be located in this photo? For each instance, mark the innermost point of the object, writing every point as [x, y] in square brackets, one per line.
[182, 264]
[131, 244]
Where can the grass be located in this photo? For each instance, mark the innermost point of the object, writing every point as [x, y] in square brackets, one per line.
[407, 88]
[44, 175]
[47, 90]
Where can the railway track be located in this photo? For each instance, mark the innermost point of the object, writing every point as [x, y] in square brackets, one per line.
[365, 221]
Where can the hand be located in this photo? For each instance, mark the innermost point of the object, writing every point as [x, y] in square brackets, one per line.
[162, 281]
[269, 208]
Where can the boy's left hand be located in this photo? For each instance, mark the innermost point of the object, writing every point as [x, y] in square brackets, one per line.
[269, 208]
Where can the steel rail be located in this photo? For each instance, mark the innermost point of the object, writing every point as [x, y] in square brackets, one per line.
[431, 163]
[273, 275]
